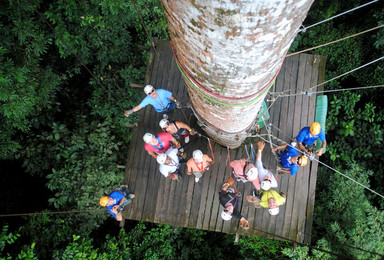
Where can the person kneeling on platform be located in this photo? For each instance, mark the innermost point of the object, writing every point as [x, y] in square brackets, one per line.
[198, 165]
[307, 137]
[116, 201]
[231, 203]
[177, 129]
[290, 159]
[267, 199]
[169, 164]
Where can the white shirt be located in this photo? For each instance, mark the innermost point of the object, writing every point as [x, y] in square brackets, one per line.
[166, 169]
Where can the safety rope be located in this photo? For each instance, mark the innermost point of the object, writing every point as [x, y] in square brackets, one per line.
[230, 170]
[325, 82]
[210, 147]
[51, 213]
[339, 90]
[335, 16]
[339, 40]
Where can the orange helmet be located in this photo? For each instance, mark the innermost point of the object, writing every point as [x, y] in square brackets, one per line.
[104, 201]
[315, 128]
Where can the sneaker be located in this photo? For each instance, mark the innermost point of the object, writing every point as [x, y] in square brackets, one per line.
[197, 179]
[132, 196]
[124, 186]
[186, 139]
[165, 116]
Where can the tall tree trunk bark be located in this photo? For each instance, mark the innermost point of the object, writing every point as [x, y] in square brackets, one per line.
[230, 52]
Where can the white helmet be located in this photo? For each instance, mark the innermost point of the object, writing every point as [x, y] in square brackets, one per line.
[226, 215]
[163, 123]
[148, 89]
[274, 211]
[147, 137]
[161, 158]
[252, 174]
[266, 185]
[197, 156]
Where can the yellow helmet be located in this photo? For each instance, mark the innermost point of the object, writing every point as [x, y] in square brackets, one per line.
[304, 161]
[315, 128]
[104, 201]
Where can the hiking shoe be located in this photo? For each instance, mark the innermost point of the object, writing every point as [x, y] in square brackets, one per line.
[186, 139]
[132, 196]
[197, 179]
[124, 186]
[165, 116]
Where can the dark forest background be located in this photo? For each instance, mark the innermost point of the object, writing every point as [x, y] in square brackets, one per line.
[65, 74]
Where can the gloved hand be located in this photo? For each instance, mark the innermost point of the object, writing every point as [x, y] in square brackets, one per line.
[244, 223]
[230, 181]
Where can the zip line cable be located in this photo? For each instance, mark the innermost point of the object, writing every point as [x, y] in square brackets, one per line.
[77, 57]
[344, 89]
[50, 213]
[339, 40]
[335, 16]
[332, 79]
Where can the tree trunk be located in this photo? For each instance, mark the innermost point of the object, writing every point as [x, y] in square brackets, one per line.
[230, 52]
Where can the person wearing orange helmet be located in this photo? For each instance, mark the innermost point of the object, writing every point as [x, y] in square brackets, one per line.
[290, 158]
[116, 201]
[308, 136]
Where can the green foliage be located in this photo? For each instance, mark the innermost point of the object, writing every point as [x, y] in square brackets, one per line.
[9, 239]
[261, 248]
[345, 217]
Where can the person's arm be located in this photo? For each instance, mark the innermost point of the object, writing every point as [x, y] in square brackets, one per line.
[178, 103]
[189, 168]
[172, 176]
[183, 125]
[130, 111]
[175, 142]
[281, 147]
[260, 148]
[285, 171]
[153, 154]
[320, 151]
[301, 146]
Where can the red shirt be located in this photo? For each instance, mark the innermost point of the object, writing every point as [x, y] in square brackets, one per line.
[165, 140]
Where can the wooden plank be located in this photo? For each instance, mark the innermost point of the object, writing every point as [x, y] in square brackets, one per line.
[213, 186]
[314, 164]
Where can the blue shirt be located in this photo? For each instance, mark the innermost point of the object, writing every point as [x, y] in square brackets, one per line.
[285, 156]
[117, 196]
[305, 137]
[159, 103]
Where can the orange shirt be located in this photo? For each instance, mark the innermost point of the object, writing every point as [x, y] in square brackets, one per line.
[198, 167]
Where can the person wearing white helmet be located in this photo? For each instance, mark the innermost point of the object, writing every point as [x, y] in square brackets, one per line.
[267, 179]
[158, 144]
[161, 100]
[178, 129]
[290, 159]
[231, 203]
[308, 136]
[169, 164]
[245, 171]
[198, 164]
[269, 199]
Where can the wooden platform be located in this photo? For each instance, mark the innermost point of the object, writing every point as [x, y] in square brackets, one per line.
[196, 205]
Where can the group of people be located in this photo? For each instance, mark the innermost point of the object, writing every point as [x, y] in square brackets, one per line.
[165, 147]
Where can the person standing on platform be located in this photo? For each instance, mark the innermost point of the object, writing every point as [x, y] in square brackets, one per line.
[307, 137]
[198, 164]
[158, 144]
[178, 129]
[267, 179]
[267, 199]
[290, 158]
[162, 101]
[231, 203]
[245, 172]
[116, 201]
[169, 164]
